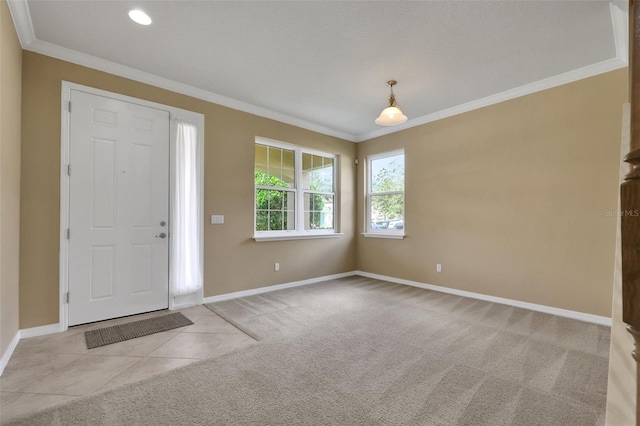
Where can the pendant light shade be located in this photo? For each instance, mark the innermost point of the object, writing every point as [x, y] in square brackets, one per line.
[391, 115]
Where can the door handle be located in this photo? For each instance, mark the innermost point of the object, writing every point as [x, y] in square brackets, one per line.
[162, 235]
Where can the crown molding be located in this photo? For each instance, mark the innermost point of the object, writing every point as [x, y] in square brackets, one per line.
[620, 22]
[527, 89]
[24, 27]
[22, 20]
[99, 64]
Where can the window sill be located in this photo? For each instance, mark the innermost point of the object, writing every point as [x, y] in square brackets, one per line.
[381, 235]
[265, 238]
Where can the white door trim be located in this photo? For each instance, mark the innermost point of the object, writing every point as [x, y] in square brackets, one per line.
[175, 302]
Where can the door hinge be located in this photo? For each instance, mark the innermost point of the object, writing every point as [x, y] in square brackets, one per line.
[67, 297]
[68, 233]
[69, 169]
[69, 106]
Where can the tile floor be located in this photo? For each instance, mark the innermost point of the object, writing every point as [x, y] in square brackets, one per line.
[53, 369]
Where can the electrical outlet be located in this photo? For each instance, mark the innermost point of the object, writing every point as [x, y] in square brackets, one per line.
[438, 267]
[276, 267]
[217, 219]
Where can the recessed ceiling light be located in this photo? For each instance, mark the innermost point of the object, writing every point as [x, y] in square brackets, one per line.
[139, 17]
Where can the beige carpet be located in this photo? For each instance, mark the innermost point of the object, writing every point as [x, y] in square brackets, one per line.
[364, 352]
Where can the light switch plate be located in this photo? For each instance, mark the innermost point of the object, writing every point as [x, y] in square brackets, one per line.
[217, 219]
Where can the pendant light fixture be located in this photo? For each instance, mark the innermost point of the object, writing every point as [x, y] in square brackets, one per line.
[391, 115]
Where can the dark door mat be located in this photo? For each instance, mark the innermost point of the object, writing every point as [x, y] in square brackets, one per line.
[121, 332]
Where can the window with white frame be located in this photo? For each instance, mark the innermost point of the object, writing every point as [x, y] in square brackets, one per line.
[385, 194]
[294, 191]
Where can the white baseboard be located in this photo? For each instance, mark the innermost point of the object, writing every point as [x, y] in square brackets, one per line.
[6, 356]
[252, 292]
[186, 301]
[581, 316]
[41, 331]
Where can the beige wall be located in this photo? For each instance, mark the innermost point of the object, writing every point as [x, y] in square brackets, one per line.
[233, 261]
[511, 198]
[10, 98]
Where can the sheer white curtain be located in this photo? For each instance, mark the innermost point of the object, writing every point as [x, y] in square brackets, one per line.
[186, 270]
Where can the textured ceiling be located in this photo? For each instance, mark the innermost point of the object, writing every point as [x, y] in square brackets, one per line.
[326, 62]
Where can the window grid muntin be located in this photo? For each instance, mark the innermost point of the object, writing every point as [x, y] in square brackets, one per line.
[370, 194]
[300, 228]
[320, 214]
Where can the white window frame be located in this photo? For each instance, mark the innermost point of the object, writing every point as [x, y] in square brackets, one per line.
[369, 232]
[299, 232]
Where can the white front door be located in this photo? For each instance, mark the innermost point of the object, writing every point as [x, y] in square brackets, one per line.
[118, 208]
